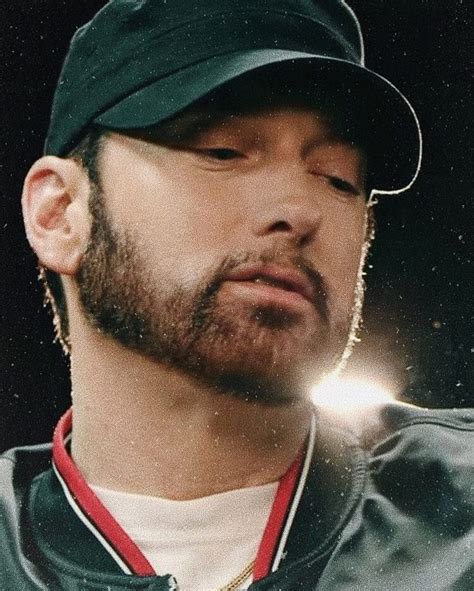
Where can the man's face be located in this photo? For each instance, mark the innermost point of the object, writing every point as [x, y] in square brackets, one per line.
[231, 251]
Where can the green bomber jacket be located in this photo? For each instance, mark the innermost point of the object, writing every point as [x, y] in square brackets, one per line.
[387, 504]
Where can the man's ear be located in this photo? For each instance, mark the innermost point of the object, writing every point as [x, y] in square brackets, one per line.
[55, 211]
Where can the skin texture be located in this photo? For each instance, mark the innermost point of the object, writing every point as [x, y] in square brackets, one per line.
[165, 346]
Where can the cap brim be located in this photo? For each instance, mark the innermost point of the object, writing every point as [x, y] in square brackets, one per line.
[392, 126]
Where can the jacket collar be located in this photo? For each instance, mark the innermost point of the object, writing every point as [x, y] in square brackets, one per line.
[314, 501]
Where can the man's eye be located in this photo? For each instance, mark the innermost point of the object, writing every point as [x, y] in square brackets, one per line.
[343, 186]
[221, 153]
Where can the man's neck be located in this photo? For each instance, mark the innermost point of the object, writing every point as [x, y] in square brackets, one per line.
[144, 428]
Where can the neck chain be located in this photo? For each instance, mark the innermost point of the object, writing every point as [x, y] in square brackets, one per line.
[239, 579]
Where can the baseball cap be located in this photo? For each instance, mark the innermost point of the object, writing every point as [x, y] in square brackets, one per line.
[138, 63]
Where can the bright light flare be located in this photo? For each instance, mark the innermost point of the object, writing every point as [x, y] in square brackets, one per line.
[349, 395]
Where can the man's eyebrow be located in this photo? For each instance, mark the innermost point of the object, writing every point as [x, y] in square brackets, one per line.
[332, 139]
[190, 125]
[184, 128]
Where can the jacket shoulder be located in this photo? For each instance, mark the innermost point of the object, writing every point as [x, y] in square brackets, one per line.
[375, 424]
[411, 451]
[18, 468]
[414, 520]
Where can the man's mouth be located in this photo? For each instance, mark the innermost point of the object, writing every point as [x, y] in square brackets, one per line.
[282, 278]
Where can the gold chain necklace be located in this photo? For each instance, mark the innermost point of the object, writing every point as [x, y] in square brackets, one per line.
[239, 579]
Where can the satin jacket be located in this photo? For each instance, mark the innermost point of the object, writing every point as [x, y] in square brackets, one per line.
[387, 504]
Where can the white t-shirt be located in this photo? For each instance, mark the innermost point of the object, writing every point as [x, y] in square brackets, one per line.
[204, 543]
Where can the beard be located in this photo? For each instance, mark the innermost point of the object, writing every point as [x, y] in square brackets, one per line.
[258, 353]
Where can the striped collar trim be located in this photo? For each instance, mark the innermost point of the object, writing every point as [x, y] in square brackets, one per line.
[115, 541]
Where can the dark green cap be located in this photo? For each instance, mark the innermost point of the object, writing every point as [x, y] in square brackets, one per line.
[140, 62]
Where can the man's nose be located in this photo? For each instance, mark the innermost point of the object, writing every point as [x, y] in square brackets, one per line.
[288, 208]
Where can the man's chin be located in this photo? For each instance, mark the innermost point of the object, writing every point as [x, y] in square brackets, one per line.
[250, 385]
[263, 355]
[280, 375]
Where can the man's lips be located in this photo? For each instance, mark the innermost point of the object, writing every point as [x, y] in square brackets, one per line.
[280, 277]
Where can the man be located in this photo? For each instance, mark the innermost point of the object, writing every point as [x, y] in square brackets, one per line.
[201, 218]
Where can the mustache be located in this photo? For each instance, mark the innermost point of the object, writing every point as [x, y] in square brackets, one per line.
[232, 262]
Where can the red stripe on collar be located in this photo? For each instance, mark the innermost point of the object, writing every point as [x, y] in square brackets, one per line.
[92, 509]
[276, 521]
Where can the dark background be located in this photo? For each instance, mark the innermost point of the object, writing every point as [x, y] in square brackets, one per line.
[418, 335]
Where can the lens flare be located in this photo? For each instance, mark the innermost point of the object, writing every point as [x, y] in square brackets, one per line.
[349, 395]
